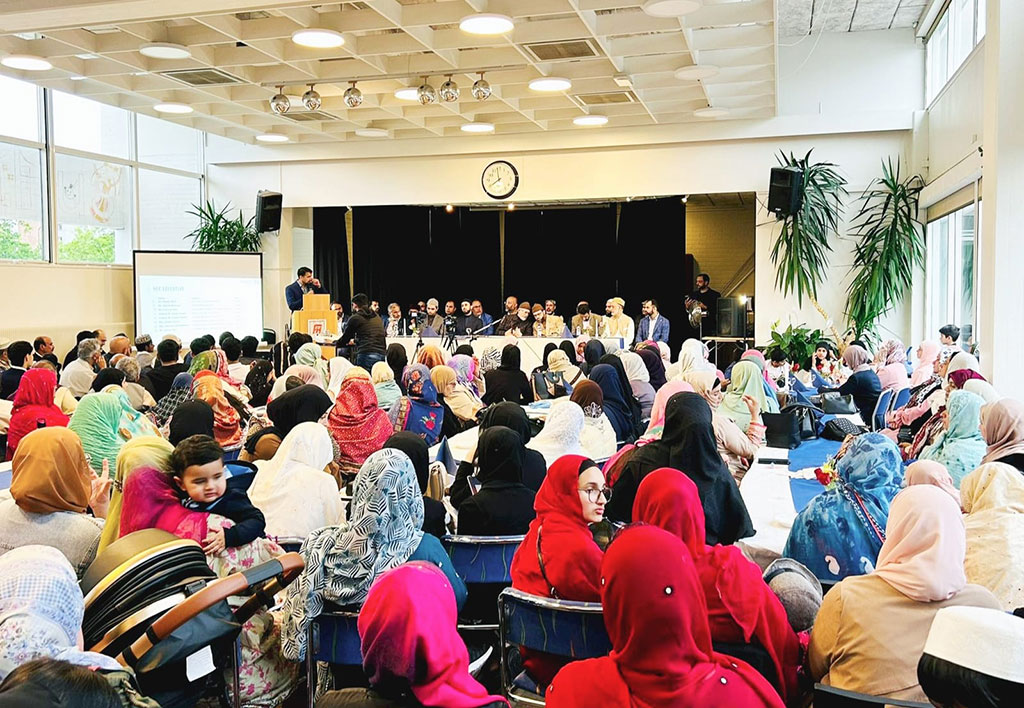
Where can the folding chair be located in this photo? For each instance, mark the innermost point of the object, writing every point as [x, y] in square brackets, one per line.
[877, 421]
[333, 638]
[485, 564]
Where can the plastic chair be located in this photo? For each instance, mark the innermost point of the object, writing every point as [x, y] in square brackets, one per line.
[881, 408]
[485, 564]
[560, 627]
[900, 399]
[829, 697]
[332, 638]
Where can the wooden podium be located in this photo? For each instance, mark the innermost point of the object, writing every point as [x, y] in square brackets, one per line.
[316, 318]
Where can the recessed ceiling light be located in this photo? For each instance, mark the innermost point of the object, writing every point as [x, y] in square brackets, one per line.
[26, 62]
[272, 138]
[408, 94]
[551, 83]
[371, 132]
[670, 8]
[486, 23]
[592, 119]
[477, 127]
[77, 77]
[87, 56]
[316, 38]
[711, 112]
[165, 50]
[697, 71]
[172, 107]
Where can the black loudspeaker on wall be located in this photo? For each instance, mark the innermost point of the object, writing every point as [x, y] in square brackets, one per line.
[785, 191]
[732, 317]
[268, 211]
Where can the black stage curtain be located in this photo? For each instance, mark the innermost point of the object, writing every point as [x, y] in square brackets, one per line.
[407, 253]
[649, 260]
[330, 252]
[564, 254]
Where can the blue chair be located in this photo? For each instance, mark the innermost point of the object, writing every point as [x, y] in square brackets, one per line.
[333, 638]
[901, 399]
[565, 628]
[829, 697]
[485, 564]
[881, 408]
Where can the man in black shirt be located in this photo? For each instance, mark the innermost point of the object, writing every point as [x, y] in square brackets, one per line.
[365, 332]
[708, 301]
[467, 322]
[158, 380]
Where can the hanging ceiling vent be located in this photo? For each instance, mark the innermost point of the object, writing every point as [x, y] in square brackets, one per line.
[300, 116]
[559, 51]
[604, 99]
[201, 77]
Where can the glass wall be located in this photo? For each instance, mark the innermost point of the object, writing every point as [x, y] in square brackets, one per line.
[120, 181]
[951, 274]
[959, 29]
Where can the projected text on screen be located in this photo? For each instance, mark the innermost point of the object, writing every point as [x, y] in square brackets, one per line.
[190, 306]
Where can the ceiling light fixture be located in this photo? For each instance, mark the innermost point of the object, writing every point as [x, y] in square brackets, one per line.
[711, 112]
[477, 127]
[164, 50]
[670, 8]
[590, 120]
[353, 97]
[426, 93]
[481, 89]
[449, 208]
[87, 56]
[449, 90]
[311, 99]
[486, 23]
[697, 72]
[407, 94]
[279, 103]
[317, 38]
[551, 84]
[26, 62]
[272, 138]
[371, 132]
[511, 206]
[172, 107]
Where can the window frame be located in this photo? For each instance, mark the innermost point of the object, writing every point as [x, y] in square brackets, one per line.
[953, 305]
[950, 15]
[44, 174]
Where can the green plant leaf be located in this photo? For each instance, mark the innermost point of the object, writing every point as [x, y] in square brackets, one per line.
[219, 233]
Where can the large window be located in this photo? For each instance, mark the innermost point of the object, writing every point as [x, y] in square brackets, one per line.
[961, 25]
[108, 182]
[952, 285]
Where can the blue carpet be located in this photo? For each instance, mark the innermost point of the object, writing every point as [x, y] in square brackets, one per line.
[812, 453]
[803, 490]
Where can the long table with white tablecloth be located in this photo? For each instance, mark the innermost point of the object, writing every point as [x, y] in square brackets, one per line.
[532, 348]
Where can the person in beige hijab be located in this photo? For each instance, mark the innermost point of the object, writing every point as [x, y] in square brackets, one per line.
[736, 447]
[1002, 426]
[993, 501]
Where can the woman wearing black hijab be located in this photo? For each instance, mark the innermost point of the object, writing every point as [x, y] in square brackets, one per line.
[397, 359]
[592, 353]
[570, 351]
[465, 349]
[635, 411]
[508, 382]
[259, 381]
[512, 416]
[416, 448]
[108, 377]
[688, 445]
[305, 404]
[503, 506]
[190, 418]
[655, 366]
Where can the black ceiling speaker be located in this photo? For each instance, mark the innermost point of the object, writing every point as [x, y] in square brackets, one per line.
[786, 191]
[268, 211]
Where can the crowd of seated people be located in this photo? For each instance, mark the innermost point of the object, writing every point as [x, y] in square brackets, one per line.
[919, 536]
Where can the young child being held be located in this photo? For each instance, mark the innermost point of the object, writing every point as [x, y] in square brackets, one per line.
[197, 464]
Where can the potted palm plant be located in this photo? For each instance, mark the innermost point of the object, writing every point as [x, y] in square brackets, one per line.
[219, 232]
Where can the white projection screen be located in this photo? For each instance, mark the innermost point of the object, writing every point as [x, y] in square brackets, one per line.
[192, 294]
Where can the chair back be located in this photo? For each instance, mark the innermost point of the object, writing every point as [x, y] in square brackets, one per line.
[829, 697]
[564, 628]
[334, 638]
[900, 399]
[482, 559]
[881, 408]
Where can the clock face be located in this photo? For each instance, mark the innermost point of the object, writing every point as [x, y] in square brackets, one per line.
[500, 179]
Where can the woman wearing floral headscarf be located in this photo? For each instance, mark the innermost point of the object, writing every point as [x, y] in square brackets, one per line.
[891, 365]
[418, 411]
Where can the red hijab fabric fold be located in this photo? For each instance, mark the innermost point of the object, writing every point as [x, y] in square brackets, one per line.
[33, 402]
[407, 631]
[356, 423]
[150, 501]
[741, 607]
[661, 645]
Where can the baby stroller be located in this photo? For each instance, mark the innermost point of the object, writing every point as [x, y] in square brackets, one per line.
[153, 603]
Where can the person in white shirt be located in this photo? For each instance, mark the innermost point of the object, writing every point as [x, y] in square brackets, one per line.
[145, 351]
[78, 375]
[616, 323]
[233, 351]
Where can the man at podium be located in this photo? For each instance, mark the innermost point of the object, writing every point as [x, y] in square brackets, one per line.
[306, 284]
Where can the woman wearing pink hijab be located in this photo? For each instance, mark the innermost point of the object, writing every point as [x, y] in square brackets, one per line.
[891, 365]
[933, 473]
[871, 629]
[927, 353]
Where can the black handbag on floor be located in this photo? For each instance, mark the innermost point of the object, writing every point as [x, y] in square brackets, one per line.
[807, 418]
[782, 430]
[838, 428]
[834, 402]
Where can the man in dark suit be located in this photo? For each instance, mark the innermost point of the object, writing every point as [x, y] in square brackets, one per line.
[304, 285]
[20, 355]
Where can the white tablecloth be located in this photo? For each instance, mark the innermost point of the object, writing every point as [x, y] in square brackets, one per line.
[532, 348]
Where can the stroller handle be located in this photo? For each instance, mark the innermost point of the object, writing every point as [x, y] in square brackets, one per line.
[269, 578]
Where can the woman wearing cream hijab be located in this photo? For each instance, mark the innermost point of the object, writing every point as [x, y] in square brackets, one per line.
[736, 447]
[993, 501]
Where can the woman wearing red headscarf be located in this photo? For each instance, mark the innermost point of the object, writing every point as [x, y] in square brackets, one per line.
[661, 644]
[572, 496]
[741, 607]
[33, 403]
[356, 423]
[412, 653]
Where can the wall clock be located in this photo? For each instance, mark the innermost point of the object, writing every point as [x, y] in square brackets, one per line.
[500, 179]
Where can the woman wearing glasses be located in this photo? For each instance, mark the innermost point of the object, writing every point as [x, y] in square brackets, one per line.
[558, 558]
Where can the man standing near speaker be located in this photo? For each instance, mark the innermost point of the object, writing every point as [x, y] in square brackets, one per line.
[304, 285]
[707, 299]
